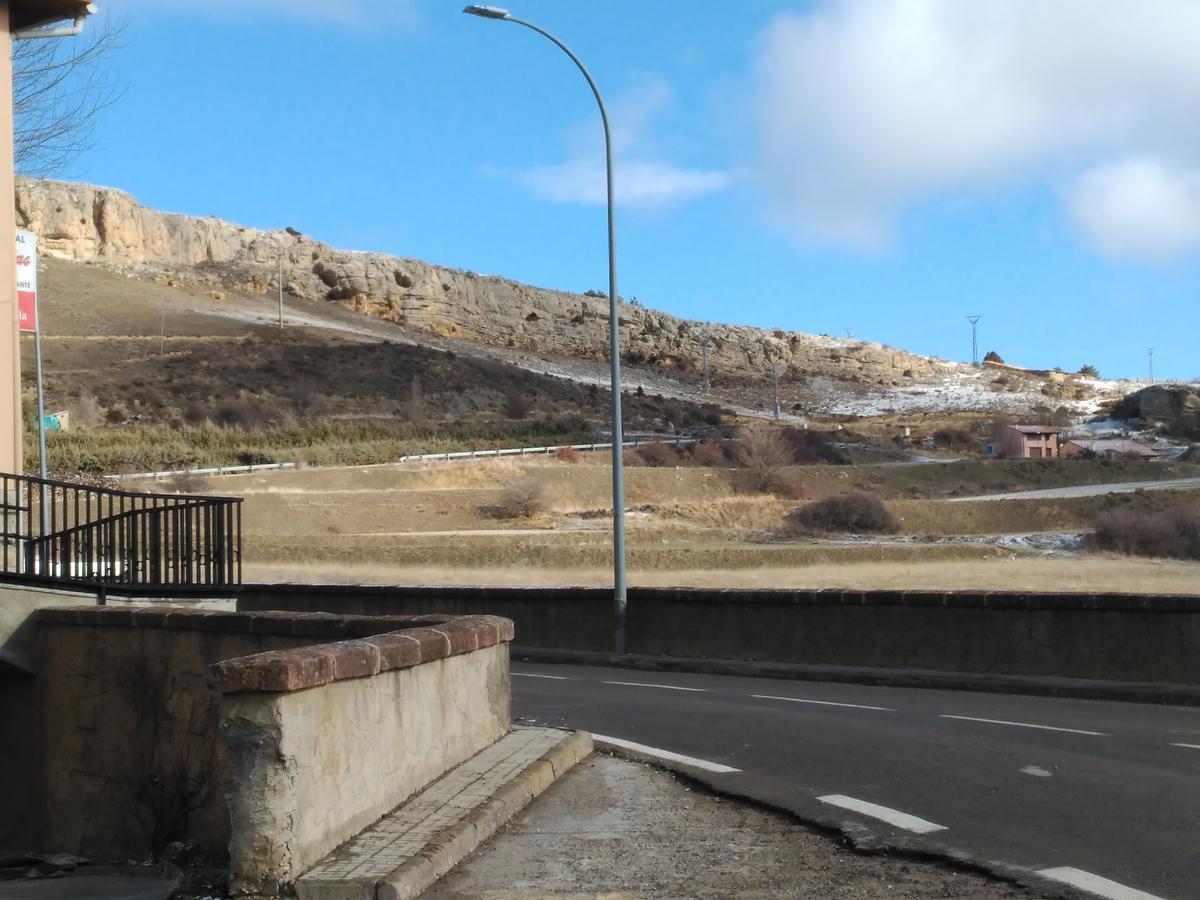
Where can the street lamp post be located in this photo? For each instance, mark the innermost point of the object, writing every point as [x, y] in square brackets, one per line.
[614, 333]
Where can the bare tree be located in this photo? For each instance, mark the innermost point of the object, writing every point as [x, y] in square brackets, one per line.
[763, 452]
[60, 86]
[416, 400]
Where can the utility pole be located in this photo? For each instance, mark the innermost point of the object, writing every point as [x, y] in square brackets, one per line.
[1150, 362]
[849, 332]
[974, 320]
[281, 291]
[775, 382]
[705, 357]
[162, 332]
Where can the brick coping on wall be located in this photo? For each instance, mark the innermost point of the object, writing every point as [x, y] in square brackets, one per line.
[363, 645]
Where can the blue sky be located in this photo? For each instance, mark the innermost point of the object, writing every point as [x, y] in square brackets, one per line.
[885, 166]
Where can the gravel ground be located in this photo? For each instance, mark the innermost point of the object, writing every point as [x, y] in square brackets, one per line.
[615, 829]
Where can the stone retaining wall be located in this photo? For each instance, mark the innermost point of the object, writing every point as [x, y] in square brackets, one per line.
[357, 711]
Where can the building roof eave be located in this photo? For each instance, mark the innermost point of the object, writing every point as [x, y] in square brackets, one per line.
[24, 14]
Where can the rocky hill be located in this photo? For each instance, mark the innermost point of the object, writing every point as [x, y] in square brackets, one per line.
[110, 228]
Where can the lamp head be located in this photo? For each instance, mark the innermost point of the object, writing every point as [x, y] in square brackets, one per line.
[487, 12]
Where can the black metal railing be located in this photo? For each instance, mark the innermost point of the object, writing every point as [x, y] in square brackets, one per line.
[101, 536]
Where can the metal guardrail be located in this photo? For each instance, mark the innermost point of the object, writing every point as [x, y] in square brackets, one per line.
[86, 535]
[421, 457]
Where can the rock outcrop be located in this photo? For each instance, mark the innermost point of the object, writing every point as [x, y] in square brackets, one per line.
[108, 227]
[1177, 406]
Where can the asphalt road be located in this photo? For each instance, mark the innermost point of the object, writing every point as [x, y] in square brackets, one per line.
[1088, 490]
[1099, 795]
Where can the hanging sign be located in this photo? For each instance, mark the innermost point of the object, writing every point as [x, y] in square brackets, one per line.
[27, 308]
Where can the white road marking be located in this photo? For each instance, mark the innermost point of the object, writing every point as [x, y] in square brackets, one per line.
[1025, 725]
[820, 702]
[664, 754]
[1036, 771]
[665, 687]
[535, 675]
[1094, 884]
[883, 813]
[1188, 746]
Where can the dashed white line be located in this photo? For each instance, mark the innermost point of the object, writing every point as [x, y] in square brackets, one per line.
[665, 687]
[535, 675]
[820, 702]
[884, 813]
[1036, 771]
[667, 755]
[1188, 746]
[1025, 725]
[1095, 884]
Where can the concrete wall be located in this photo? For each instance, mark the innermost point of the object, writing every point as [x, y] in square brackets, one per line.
[314, 767]
[18, 632]
[1117, 637]
[130, 704]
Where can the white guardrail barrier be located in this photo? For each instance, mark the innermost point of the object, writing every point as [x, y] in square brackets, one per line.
[421, 457]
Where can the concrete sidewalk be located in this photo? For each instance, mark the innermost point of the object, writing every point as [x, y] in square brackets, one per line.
[616, 829]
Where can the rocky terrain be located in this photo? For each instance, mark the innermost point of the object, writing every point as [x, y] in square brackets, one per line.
[554, 332]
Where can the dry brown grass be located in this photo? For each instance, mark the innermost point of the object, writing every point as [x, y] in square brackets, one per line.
[1084, 575]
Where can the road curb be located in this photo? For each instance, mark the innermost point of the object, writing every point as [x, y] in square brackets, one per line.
[458, 841]
[1078, 688]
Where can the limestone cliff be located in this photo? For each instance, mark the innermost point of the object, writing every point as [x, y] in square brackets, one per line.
[108, 227]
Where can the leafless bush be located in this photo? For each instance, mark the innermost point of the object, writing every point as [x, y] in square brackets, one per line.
[953, 439]
[568, 455]
[187, 484]
[1173, 533]
[86, 412]
[763, 452]
[242, 412]
[415, 407]
[713, 454]
[524, 499]
[517, 406]
[658, 455]
[859, 512]
[810, 447]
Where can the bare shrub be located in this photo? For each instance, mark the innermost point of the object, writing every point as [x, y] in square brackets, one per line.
[762, 453]
[1172, 533]
[517, 406]
[713, 454]
[241, 412]
[116, 415]
[415, 407]
[568, 455]
[658, 455]
[85, 413]
[859, 512]
[195, 413]
[953, 439]
[524, 499]
[187, 484]
[809, 447]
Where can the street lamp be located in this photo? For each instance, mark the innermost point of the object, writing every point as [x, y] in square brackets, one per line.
[614, 333]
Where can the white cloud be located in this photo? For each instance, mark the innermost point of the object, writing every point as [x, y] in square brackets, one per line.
[867, 107]
[1138, 209]
[641, 177]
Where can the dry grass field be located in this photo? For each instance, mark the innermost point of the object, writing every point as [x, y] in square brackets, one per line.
[438, 523]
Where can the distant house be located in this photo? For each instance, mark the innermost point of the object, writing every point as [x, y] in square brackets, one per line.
[1109, 447]
[1026, 442]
